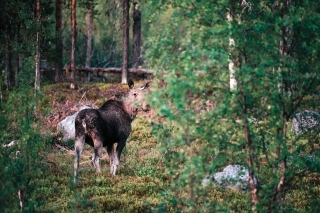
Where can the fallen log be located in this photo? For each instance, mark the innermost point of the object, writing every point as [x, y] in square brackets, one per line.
[115, 70]
[108, 70]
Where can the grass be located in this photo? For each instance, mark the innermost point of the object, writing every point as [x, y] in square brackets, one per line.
[136, 188]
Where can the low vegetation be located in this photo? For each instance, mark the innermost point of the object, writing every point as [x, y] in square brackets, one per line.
[143, 183]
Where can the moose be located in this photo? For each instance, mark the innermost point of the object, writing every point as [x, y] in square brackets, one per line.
[109, 124]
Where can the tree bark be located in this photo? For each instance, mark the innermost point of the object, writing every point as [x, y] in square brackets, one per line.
[115, 70]
[249, 148]
[125, 41]
[37, 76]
[89, 34]
[16, 57]
[59, 44]
[136, 35]
[73, 43]
[7, 69]
[278, 194]
[232, 74]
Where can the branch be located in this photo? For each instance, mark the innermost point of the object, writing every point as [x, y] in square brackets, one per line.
[249, 148]
[299, 99]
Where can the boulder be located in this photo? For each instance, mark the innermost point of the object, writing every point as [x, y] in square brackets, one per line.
[233, 176]
[305, 121]
[66, 126]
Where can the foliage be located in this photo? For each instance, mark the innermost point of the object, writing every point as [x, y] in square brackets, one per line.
[22, 164]
[200, 125]
[206, 126]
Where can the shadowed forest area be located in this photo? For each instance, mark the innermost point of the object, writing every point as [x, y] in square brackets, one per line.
[234, 120]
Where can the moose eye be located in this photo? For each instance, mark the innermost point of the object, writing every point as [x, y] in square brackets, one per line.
[135, 94]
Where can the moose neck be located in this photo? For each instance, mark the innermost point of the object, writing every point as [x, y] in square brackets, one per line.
[130, 109]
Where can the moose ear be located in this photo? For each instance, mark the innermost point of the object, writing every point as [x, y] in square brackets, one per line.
[146, 85]
[130, 84]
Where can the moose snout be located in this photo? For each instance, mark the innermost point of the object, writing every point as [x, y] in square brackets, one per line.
[146, 107]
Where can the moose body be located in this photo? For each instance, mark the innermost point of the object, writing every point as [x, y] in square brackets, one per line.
[104, 127]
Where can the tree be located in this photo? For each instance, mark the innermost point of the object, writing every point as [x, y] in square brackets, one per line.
[73, 42]
[7, 70]
[38, 59]
[207, 126]
[59, 43]
[16, 55]
[89, 17]
[136, 35]
[125, 41]
[233, 81]
[20, 31]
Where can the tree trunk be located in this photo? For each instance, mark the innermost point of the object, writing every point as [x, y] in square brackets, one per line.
[7, 69]
[16, 57]
[125, 41]
[249, 149]
[37, 77]
[235, 62]
[59, 44]
[89, 34]
[278, 192]
[136, 35]
[232, 74]
[73, 43]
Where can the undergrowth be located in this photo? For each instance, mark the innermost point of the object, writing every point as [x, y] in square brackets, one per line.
[142, 182]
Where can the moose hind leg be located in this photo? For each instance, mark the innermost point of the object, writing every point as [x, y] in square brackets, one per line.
[79, 143]
[96, 157]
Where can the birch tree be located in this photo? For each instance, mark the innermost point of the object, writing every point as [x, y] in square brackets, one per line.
[38, 59]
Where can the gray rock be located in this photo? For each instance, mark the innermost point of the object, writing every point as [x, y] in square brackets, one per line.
[66, 126]
[233, 176]
[305, 121]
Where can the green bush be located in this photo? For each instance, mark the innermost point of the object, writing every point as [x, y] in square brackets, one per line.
[205, 125]
[23, 164]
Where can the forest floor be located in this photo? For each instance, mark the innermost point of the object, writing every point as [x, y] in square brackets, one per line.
[141, 182]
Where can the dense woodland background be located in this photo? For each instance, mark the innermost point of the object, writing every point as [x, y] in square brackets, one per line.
[228, 78]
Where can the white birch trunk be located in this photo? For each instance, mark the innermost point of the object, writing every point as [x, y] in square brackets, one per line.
[232, 76]
[37, 77]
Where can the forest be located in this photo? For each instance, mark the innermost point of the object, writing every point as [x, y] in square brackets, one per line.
[234, 101]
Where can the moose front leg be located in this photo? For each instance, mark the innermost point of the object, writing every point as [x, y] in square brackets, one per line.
[111, 153]
[116, 156]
